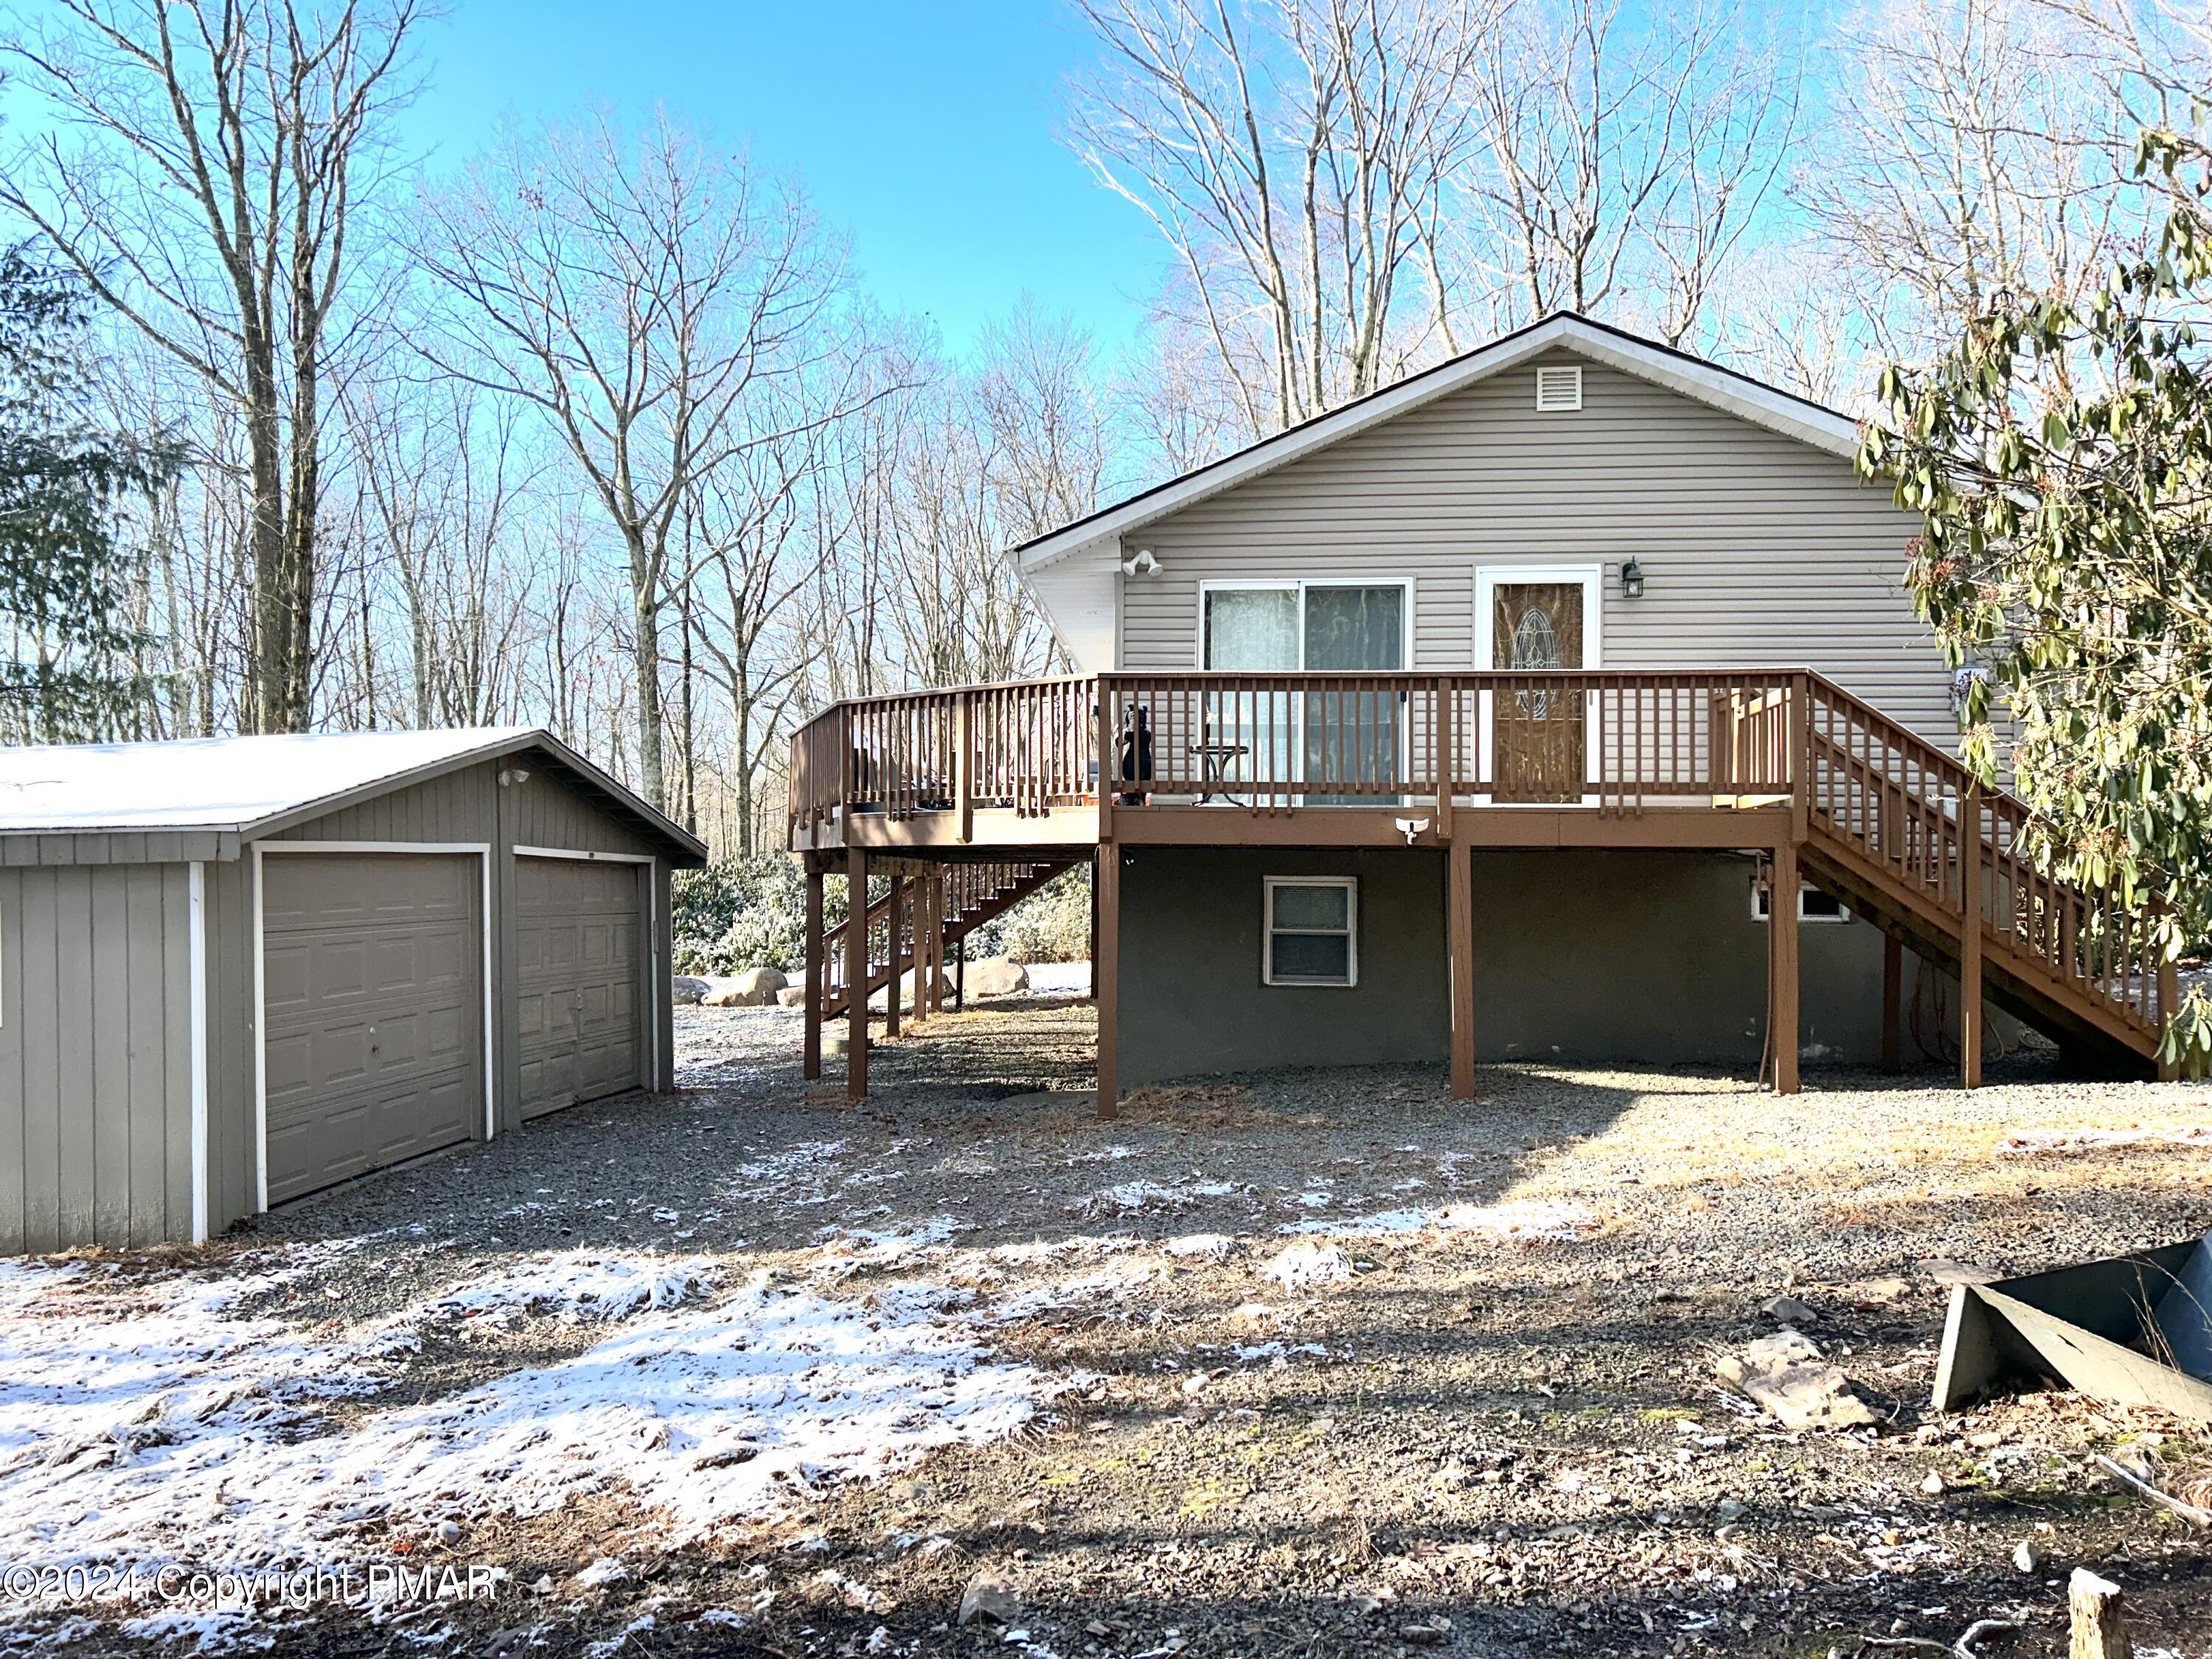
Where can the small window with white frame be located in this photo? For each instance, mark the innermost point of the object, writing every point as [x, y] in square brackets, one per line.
[1813, 903]
[1312, 931]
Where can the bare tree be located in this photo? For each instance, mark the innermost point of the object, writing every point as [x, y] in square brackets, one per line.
[1976, 149]
[643, 295]
[1301, 160]
[1629, 157]
[203, 173]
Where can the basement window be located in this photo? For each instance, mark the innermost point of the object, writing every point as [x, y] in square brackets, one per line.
[1313, 931]
[1812, 904]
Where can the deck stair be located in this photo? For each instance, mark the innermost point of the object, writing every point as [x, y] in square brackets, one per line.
[975, 893]
[1902, 833]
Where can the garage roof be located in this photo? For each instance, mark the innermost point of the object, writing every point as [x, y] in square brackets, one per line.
[250, 786]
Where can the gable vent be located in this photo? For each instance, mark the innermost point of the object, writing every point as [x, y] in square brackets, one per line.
[1559, 390]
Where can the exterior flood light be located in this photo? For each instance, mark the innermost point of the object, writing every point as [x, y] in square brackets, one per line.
[1631, 580]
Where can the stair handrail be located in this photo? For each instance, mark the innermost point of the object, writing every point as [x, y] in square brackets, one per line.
[2081, 936]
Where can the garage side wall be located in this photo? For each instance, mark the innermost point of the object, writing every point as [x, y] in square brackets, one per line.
[95, 1056]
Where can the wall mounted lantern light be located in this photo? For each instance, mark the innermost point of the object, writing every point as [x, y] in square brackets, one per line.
[1631, 580]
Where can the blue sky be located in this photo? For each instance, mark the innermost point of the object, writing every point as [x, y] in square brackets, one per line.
[927, 130]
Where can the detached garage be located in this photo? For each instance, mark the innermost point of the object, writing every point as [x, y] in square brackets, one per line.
[236, 970]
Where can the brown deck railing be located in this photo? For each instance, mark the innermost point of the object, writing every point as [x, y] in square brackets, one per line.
[1621, 741]
[1612, 740]
[1902, 806]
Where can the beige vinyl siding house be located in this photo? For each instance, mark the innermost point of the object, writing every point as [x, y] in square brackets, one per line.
[1755, 549]
[1560, 704]
[1551, 458]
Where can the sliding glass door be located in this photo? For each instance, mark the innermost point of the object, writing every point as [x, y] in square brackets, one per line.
[1351, 731]
[1335, 734]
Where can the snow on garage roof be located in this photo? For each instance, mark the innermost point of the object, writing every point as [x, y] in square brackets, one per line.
[247, 785]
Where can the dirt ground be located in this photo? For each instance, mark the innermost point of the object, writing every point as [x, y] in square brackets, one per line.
[1338, 1365]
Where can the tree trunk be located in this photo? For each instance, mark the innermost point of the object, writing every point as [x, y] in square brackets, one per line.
[645, 658]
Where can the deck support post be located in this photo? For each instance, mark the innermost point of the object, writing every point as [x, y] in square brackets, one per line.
[1459, 919]
[897, 920]
[960, 973]
[936, 981]
[1970, 939]
[921, 891]
[1782, 968]
[810, 1066]
[1893, 1002]
[856, 975]
[1106, 973]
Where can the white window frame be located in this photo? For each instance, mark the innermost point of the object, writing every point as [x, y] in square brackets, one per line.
[1298, 584]
[1759, 912]
[1591, 580]
[1270, 886]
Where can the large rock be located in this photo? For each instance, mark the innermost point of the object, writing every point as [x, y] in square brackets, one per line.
[906, 991]
[686, 990]
[996, 976]
[756, 987]
[990, 1597]
[791, 996]
[1785, 1374]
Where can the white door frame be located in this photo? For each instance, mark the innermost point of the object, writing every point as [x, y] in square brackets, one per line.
[650, 963]
[483, 851]
[1591, 579]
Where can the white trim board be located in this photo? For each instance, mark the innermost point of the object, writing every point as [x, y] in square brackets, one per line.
[196, 904]
[1763, 405]
[492, 1053]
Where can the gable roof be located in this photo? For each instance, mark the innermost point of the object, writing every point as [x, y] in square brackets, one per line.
[1737, 394]
[252, 787]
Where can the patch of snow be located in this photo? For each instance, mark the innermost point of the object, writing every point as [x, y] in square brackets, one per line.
[573, 1286]
[1113, 1281]
[140, 1422]
[1132, 1197]
[864, 1247]
[1040, 1251]
[777, 1174]
[1520, 1221]
[1202, 1246]
[1059, 979]
[1296, 1266]
[223, 1629]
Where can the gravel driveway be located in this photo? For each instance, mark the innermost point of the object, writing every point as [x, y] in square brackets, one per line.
[1317, 1362]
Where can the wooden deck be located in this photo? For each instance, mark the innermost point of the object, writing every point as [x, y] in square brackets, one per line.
[1777, 761]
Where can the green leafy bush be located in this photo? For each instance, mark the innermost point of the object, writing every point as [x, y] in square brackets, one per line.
[751, 913]
[746, 912]
[1051, 925]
